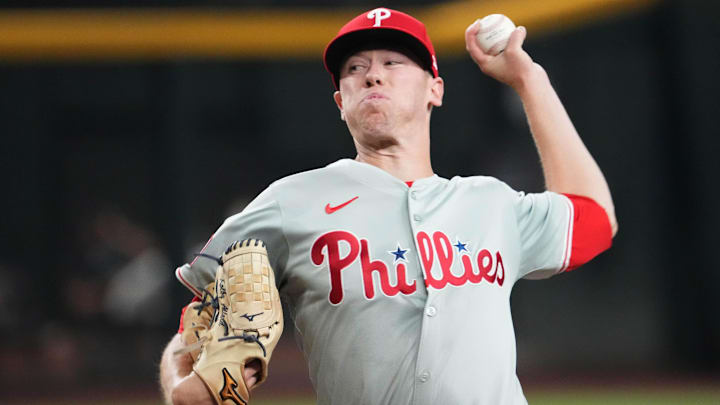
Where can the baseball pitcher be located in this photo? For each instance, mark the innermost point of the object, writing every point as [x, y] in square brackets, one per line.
[398, 280]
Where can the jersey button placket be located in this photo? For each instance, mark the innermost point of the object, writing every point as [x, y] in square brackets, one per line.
[423, 387]
[431, 311]
[413, 205]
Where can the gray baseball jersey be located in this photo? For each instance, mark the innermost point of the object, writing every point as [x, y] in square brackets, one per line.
[401, 295]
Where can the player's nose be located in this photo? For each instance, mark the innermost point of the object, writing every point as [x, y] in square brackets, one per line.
[373, 76]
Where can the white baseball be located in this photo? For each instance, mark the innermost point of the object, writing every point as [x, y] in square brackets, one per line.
[495, 30]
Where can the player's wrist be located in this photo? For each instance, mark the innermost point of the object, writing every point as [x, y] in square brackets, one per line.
[530, 81]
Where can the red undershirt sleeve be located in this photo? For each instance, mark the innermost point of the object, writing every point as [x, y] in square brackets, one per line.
[182, 314]
[591, 231]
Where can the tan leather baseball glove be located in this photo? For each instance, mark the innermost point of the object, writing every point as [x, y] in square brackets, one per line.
[196, 321]
[246, 324]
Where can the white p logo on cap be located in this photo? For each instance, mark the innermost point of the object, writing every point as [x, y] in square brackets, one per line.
[378, 14]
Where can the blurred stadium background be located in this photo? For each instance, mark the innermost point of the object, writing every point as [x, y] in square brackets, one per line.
[130, 129]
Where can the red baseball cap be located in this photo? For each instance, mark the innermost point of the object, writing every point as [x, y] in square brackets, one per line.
[381, 25]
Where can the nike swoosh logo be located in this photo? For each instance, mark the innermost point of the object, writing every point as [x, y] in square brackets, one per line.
[330, 210]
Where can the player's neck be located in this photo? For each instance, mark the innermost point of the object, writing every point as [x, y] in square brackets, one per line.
[405, 162]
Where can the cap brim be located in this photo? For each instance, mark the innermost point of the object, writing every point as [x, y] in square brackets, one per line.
[341, 47]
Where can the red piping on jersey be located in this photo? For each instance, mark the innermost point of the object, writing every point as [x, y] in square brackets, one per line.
[568, 236]
[203, 249]
[589, 231]
[184, 282]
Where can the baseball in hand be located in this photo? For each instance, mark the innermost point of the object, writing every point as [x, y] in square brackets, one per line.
[494, 32]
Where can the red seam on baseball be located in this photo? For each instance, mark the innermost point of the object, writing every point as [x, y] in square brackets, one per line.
[495, 49]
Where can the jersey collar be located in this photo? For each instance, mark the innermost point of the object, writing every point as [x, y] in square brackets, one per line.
[378, 178]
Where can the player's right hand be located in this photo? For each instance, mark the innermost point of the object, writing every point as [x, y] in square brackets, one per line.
[252, 373]
[513, 66]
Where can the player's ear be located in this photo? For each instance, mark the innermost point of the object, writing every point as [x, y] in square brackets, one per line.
[338, 101]
[437, 90]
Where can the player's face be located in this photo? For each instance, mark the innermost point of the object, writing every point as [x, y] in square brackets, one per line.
[383, 91]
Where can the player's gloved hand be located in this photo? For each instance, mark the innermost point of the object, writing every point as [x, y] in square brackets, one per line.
[196, 321]
[246, 325]
[513, 66]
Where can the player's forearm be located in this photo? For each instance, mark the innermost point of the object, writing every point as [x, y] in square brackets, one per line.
[172, 368]
[179, 385]
[567, 164]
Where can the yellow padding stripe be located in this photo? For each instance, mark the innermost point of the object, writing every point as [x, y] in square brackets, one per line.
[161, 34]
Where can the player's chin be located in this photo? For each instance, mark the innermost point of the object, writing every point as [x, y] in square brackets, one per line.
[372, 108]
[375, 125]
[368, 120]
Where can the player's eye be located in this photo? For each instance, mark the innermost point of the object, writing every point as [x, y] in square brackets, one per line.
[355, 67]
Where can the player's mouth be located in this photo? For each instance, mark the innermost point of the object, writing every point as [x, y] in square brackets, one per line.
[374, 96]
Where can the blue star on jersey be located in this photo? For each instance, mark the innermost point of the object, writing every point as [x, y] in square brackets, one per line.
[399, 254]
[461, 246]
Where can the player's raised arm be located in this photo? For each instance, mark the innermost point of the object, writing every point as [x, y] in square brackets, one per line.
[567, 165]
